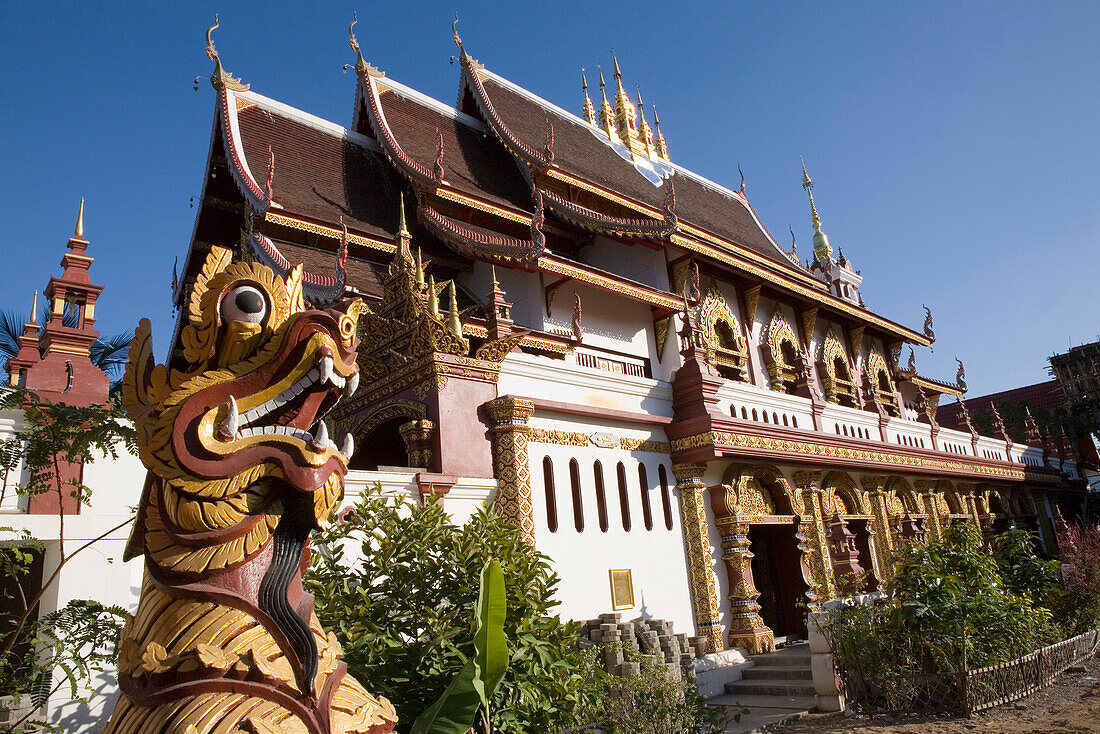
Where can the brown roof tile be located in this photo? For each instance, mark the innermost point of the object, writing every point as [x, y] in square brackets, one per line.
[319, 175]
[579, 153]
[473, 162]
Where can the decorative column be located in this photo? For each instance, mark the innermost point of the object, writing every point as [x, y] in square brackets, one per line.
[418, 442]
[880, 521]
[927, 489]
[509, 416]
[747, 629]
[807, 484]
[704, 589]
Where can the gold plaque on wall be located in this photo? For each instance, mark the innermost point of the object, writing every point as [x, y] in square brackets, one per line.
[622, 588]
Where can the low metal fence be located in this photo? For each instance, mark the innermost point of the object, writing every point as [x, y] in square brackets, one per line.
[998, 684]
[968, 691]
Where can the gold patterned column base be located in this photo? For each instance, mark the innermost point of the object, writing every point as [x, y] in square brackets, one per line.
[704, 589]
[509, 416]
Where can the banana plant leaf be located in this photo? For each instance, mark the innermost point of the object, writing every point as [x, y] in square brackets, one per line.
[473, 687]
[490, 642]
[454, 711]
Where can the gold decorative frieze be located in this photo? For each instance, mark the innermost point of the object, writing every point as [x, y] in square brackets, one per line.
[737, 440]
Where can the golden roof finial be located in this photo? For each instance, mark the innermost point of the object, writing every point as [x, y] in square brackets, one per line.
[433, 299]
[607, 116]
[402, 229]
[822, 250]
[220, 77]
[493, 275]
[453, 324]
[34, 309]
[625, 117]
[643, 126]
[79, 231]
[662, 146]
[589, 111]
[360, 64]
[419, 270]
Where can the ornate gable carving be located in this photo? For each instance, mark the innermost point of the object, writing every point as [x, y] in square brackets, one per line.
[723, 335]
[879, 376]
[782, 367]
[835, 370]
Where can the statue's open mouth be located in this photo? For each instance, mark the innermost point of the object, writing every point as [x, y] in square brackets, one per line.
[297, 410]
[274, 411]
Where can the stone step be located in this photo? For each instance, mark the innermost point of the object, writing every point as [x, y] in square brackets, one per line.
[771, 687]
[761, 703]
[774, 672]
[777, 660]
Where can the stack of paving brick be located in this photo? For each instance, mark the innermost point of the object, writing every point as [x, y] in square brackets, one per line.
[650, 638]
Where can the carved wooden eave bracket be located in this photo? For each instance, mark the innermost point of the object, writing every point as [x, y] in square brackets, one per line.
[594, 221]
[487, 245]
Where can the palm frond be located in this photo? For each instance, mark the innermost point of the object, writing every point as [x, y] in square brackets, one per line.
[11, 328]
[109, 353]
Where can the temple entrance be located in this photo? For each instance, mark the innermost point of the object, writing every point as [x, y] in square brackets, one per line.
[383, 446]
[777, 571]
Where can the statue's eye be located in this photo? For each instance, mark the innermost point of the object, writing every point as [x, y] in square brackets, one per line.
[244, 303]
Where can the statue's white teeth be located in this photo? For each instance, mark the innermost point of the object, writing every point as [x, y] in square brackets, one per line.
[347, 444]
[320, 436]
[325, 368]
[351, 385]
[231, 424]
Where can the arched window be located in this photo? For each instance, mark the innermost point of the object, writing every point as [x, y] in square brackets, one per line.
[755, 415]
[575, 488]
[766, 417]
[666, 501]
[551, 500]
[785, 419]
[601, 499]
[794, 421]
[624, 495]
[643, 485]
[744, 413]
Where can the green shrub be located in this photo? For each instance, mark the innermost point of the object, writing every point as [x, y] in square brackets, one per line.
[653, 702]
[1077, 609]
[397, 582]
[949, 607]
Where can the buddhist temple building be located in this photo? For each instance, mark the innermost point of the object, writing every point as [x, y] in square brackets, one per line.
[611, 349]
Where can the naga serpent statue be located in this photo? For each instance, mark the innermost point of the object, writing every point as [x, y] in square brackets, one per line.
[241, 469]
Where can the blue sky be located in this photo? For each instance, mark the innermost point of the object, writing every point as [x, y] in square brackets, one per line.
[953, 146]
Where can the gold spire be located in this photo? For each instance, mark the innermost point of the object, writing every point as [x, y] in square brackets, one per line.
[662, 146]
[625, 117]
[607, 116]
[493, 275]
[403, 230]
[643, 127]
[79, 232]
[822, 250]
[453, 324]
[589, 111]
[34, 309]
[433, 299]
[419, 270]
